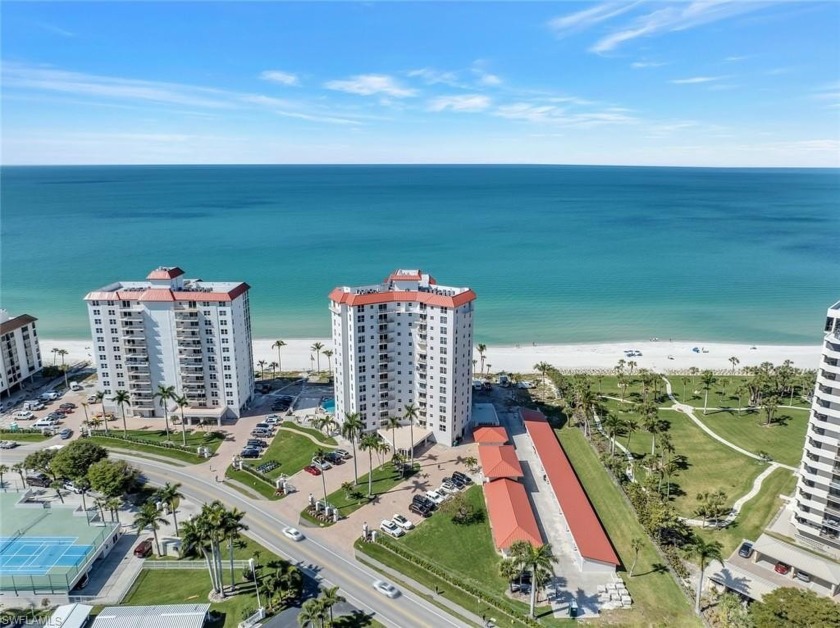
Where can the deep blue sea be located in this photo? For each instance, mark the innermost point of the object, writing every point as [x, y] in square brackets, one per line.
[556, 254]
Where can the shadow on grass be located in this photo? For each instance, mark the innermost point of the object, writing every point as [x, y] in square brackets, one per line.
[356, 619]
[655, 568]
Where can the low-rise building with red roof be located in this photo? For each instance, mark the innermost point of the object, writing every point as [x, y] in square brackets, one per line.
[510, 513]
[496, 435]
[499, 461]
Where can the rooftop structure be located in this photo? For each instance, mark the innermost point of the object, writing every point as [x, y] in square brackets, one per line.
[499, 461]
[510, 513]
[405, 341]
[168, 330]
[817, 518]
[70, 616]
[20, 354]
[490, 435]
[168, 616]
[592, 545]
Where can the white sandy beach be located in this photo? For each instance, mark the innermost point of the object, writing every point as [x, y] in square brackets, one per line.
[522, 358]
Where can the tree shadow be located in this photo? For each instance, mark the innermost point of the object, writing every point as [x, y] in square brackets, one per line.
[356, 619]
[655, 568]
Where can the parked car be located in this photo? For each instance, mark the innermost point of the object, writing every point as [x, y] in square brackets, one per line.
[447, 491]
[419, 509]
[333, 458]
[462, 476]
[273, 420]
[436, 497]
[389, 527]
[68, 404]
[33, 404]
[404, 523]
[76, 387]
[91, 399]
[804, 577]
[45, 422]
[262, 426]
[8, 444]
[293, 533]
[312, 470]
[38, 480]
[65, 433]
[144, 549]
[260, 433]
[249, 452]
[344, 454]
[70, 486]
[782, 568]
[24, 414]
[321, 464]
[386, 588]
[256, 443]
[746, 549]
[450, 486]
[424, 501]
[50, 396]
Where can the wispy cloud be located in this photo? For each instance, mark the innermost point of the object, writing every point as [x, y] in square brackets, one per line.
[551, 114]
[581, 20]
[675, 17]
[696, 80]
[371, 84]
[489, 80]
[642, 65]
[278, 76]
[56, 30]
[464, 103]
[431, 76]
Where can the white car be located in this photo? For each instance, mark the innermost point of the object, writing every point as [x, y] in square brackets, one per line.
[24, 414]
[272, 420]
[389, 527]
[404, 523]
[50, 396]
[293, 533]
[386, 588]
[91, 399]
[436, 497]
[320, 464]
[45, 423]
[446, 491]
[8, 444]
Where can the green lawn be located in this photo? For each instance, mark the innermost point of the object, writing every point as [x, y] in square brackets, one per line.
[722, 393]
[756, 513]
[292, 451]
[782, 439]
[22, 437]
[328, 441]
[657, 599]
[165, 452]
[195, 438]
[243, 477]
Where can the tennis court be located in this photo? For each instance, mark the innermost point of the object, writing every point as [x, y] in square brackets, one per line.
[38, 555]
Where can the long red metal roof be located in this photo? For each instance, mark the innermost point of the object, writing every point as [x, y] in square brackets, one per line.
[511, 517]
[589, 535]
[339, 295]
[499, 461]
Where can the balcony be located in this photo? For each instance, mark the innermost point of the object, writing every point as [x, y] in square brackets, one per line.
[832, 395]
[827, 439]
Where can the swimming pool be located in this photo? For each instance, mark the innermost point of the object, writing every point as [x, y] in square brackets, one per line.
[328, 405]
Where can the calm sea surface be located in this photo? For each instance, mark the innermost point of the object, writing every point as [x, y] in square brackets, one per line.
[556, 254]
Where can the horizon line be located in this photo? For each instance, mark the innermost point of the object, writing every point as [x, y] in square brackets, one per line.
[417, 164]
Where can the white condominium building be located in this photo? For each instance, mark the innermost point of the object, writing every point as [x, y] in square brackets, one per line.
[20, 355]
[404, 341]
[818, 492]
[191, 334]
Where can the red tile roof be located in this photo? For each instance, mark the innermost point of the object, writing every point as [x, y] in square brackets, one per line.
[165, 294]
[490, 435]
[589, 535]
[165, 273]
[338, 295]
[511, 517]
[499, 461]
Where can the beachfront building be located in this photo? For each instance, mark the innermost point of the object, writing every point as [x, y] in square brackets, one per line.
[404, 341]
[191, 334]
[817, 515]
[20, 355]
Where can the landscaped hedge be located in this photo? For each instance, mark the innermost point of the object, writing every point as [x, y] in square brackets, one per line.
[23, 430]
[467, 585]
[143, 441]
[257, 474]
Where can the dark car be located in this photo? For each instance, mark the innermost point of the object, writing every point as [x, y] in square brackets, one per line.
[144, 549]
[334, 458]
[256, 443]
[417, 509]
[249, 453]
[67, 405]
[462, 476]
[746, 550]
[40, 480]
[782, 568]
[423, 501]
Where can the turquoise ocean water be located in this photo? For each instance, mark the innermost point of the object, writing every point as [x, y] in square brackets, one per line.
[556, 254]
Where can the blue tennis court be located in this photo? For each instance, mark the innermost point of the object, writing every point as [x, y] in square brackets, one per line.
[37, 555]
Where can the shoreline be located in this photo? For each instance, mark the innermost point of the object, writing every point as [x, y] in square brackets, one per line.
[659, 355]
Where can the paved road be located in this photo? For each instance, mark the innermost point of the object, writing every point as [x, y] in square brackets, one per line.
[334, 568]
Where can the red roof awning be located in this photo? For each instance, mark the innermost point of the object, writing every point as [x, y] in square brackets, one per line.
[490, 435]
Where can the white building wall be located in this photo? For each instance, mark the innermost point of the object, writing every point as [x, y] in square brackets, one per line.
[817, 514]
[20, 353]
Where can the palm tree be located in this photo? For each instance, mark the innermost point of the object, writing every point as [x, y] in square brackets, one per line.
[542, 368]
[113, 504]
[631, 365]
[54, 351]
[85, 407]
[262, 364]
[232, 526]
[704, 553]
[122, 397]
[392, 423]
[100, 398]
[734, 362]
[58, 485]
[612, 424]
[4, 468]
[316, 349]
[149, 516]
[411, 415]
[273, 366]
[171, 496]
[329, 354]
[650, 420]
[708, 379]
[369, 443]
[630, 426]
[538, 560]
[19, 469]
[279, 344]
[636, 544]
[508, 569]
[312, 613]
[470, 462]
[351, 429]
[182, 402]
[622, 383]
[195, 538]
[482, 349]
[685, 381]
[330, 598]
[62, 353]
[164, 394]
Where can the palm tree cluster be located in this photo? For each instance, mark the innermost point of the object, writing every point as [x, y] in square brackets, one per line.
[318, 612]
[768, 386]
[282, 585]
[711, 506]
[205, 534]
[536, 560]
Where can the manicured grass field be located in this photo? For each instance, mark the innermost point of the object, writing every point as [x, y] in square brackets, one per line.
[466, 549]
[657, 599]
[328, 441]
[118, 443]
[22, 437]
[385, 478]
[782, 439]
[243, 477]
[292, 451]
[756, 513]
[195, 438]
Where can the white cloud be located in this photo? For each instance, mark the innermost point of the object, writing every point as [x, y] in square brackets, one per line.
[582, 20]
[676, 17]
[550, 114]
[490, 80]
[278, 76]
[696, 80]
[432, 77]
[370, 84]
[467, 103]
[641, 65]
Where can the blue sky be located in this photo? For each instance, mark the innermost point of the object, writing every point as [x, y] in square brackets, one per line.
[707, 83]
